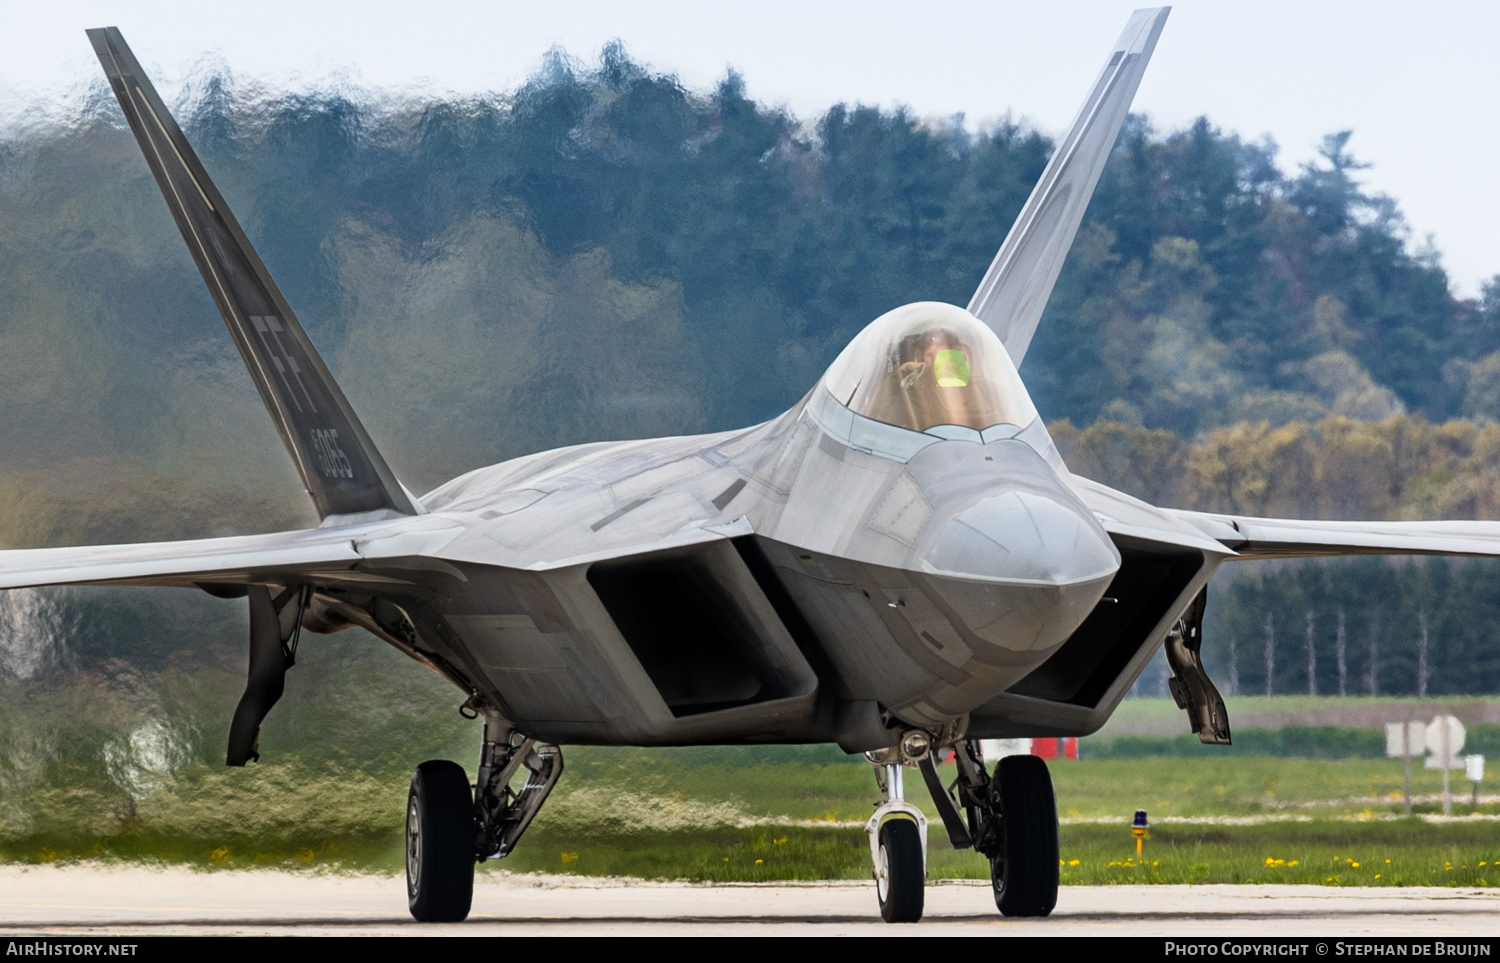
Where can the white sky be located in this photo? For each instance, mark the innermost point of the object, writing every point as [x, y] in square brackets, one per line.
[1415, 83]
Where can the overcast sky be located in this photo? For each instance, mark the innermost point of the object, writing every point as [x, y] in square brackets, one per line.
[1415, 83]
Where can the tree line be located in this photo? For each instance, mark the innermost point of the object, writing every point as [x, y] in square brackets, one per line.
[1405, 467]
[1366, 626]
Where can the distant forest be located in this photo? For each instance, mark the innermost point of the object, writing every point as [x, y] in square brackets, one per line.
[603, 254]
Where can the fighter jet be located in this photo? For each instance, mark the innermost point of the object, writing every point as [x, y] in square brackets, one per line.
[900, 564]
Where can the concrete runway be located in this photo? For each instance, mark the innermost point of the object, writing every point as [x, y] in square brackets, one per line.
[87, 900]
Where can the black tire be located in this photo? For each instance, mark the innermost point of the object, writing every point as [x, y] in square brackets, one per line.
[439, 843]
[900, 876]
[1024, 872]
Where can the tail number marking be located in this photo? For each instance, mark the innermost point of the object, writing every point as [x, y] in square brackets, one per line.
[332, 461]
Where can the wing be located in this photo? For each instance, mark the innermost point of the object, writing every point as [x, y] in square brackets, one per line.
[1297, 538]
[191, 563]
[347, 556]
[1126, 516]
[339, 464]
[1019, 282]
[1244, 537]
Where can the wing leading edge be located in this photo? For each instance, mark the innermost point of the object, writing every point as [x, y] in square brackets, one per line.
[236, 560]
[1250, 537]
[339, 464]
[1015, 289]
[1234, 537]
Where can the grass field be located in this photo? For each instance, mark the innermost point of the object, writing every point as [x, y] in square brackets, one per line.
[1406, 852]
[795, 813]
[1231, 821]
[128, 777]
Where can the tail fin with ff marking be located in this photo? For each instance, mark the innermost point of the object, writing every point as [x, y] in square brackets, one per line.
[340, 467]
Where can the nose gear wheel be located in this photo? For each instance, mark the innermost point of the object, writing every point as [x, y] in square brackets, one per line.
[900, 873]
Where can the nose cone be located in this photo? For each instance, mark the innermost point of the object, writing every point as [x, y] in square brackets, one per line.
[1020, 536]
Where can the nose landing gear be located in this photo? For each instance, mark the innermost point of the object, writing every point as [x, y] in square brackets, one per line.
[1010, 818]
[898, 846]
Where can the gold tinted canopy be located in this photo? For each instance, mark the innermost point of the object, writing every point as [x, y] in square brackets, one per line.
[930, 364]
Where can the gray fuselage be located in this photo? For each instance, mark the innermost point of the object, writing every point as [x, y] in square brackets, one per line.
[780, 583]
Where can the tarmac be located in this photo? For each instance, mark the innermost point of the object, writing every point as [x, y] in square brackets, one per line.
[82, 900]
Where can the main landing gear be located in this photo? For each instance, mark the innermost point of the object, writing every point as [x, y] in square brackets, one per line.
[1010, 818]
[1023, 860]
[439, 843]
[450, 827]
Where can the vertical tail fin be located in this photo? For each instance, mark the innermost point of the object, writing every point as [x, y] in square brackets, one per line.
[339, 465]
[1019, 282]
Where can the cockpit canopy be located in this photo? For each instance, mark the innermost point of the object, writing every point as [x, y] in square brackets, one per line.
[930, 364]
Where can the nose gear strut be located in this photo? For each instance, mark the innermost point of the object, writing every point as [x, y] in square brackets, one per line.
[898, 844]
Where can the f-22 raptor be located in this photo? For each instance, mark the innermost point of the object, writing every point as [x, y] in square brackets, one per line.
[901, 564]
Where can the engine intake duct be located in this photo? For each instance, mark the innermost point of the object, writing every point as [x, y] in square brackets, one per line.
[699, 626]
[1147, 585]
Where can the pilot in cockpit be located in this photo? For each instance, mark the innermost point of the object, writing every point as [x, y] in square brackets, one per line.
[938, 350]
